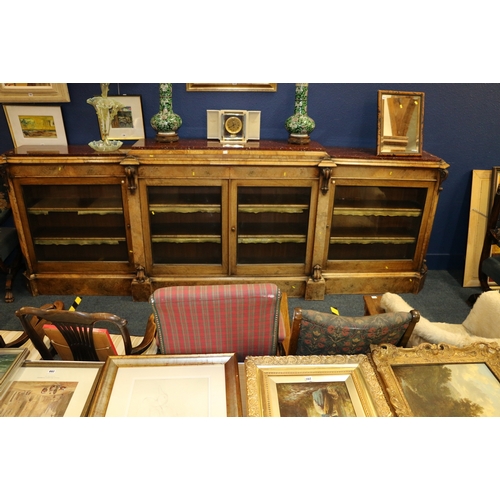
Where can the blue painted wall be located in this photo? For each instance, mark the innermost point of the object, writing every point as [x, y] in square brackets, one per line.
[461, 125]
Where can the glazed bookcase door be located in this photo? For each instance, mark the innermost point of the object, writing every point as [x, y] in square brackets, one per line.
[71, 224]
[186, 224]
[378, 227]
[271, 226]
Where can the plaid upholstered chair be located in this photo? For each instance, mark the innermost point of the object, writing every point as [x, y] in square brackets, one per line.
[250, 320]
[318, 333]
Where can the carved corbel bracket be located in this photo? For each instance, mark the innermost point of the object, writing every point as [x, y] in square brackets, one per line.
[140, 276]
[130, 165]
[325, 174]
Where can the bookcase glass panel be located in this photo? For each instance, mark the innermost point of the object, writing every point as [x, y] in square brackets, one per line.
[76, 222]
[272, 224]
[185, 224]
[376, 223]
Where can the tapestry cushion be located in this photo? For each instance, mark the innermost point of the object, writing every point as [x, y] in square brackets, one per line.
[326, 334]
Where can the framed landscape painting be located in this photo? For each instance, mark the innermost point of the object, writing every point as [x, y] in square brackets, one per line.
[313, 386]
[441, 380]
[10, 359]
[34, 92]
[128, 124]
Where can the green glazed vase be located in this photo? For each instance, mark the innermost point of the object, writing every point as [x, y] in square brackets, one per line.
[166, 122]
[299, 125]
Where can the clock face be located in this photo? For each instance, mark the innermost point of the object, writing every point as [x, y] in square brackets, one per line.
[233, 125]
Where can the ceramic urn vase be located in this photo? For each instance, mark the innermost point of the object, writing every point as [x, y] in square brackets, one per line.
[299, 125]
[166, 122]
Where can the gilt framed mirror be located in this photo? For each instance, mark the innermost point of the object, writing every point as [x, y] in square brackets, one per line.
[400, 123]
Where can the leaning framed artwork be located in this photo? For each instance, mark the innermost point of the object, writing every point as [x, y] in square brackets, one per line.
[128, 123]
[170, 386]
[36, 125]
[10, 359]
[34, 92]
[313, 386]
[439, 380]
[51, 389]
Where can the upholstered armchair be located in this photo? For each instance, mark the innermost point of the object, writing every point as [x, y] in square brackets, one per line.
[318, 333]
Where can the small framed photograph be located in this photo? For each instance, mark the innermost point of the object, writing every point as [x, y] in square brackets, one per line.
[439, 380]
[313, 386]
[10, 360]
[34, 92]
[400, 123]
[36, 125]
[51, 389]
[169, 386]
[128, 124]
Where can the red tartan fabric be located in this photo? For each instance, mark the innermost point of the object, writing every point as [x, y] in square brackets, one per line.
[218, 319]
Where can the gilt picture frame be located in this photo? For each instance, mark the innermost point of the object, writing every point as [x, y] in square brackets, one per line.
[400, 123]
[231, 87]
[128, 124]
[51, 389]
[10, 360]
[188, 385]
[313, 386]
[439, 380]
[35, 125]
[34, 92]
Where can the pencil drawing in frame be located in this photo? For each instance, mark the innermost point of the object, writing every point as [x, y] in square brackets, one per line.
[34, 92]
[400, 122]
[191, 385]
[313, 386]
[51, 389]
[439, 380]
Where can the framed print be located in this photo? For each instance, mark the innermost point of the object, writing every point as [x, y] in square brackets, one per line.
[231, 87]
[128, 123]
[51, 389]
[400, 123]
[313, 386]
[438, 380]
[36, 125]
[10, 360]
[169, 386]
[34, 92]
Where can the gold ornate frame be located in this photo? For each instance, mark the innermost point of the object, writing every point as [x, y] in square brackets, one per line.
[234, 87]
[121, 373]
[405, 395]
[34, 92]
[264, 373]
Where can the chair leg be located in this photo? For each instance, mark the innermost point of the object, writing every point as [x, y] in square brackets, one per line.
[9, 281]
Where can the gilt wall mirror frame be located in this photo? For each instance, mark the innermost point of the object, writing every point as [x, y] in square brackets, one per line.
[400, 123]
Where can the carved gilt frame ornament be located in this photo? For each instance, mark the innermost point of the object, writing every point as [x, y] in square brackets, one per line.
[440, 380]
[353, 374]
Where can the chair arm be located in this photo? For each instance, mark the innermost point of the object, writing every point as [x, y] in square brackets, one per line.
[149, 336]
[284, 343]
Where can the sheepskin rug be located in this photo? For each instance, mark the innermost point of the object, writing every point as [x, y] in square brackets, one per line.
[481, 325]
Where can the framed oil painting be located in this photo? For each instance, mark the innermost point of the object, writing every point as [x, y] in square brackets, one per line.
[10, 360]
[51, 389]
[438, 380]
[169, 386]
[231, 87]
[313, 386]
[128, 124]
[34, 92]
[36, 125]
[400, 123]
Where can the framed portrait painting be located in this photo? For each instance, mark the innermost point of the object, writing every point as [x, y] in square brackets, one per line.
[313, 386]
[36, 125]
[439, 380]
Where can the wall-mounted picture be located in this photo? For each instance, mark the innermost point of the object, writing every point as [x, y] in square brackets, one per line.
[319, 386]
[10, 360]
[400, 123]
[34, 92]
[51, 389]
[231, 87]
[169, 386]
[440, 380]
[128, 123]
[36, 125]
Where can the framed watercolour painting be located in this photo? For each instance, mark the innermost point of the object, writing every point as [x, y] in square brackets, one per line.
[128, 124]
[438, 380]
[313, 386]
[10, 359]
[51, 389]
[169, 386]
[34, 92]
[36, 125]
